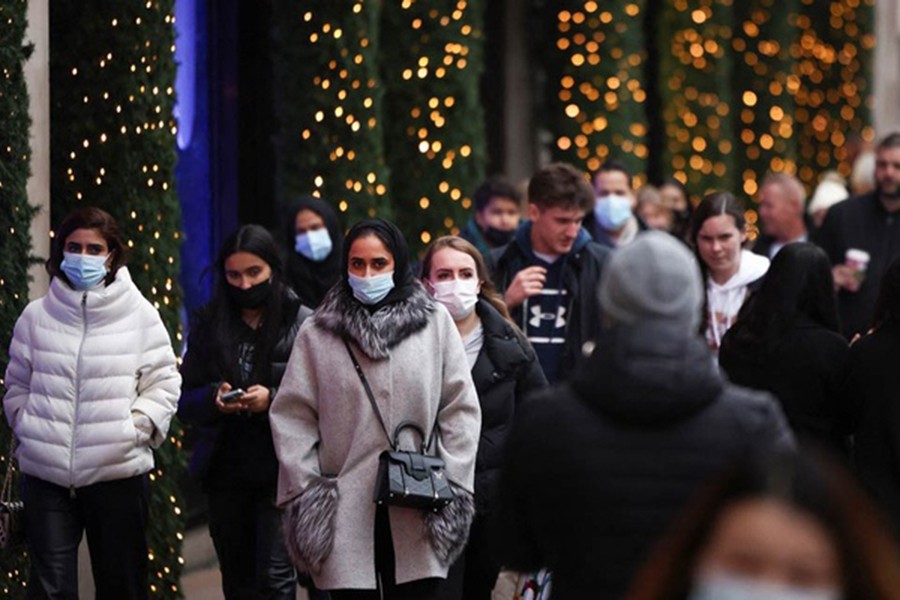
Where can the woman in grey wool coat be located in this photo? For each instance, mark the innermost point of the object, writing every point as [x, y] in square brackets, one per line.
[328, 438]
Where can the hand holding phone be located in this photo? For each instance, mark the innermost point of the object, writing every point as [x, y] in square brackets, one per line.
[233, 396]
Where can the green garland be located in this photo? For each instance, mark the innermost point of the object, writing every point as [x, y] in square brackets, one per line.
[595, 83]
[697, 94]
[328, 103]
[833, 54]
[765, 94]
[15, 222]
[112, 75]
[434, 132]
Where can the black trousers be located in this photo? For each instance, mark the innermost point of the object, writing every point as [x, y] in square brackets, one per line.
[433, 588]
[479, 566]
[113, 514]
[246, 530]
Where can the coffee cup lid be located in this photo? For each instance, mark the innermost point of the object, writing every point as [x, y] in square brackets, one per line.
[857, 255]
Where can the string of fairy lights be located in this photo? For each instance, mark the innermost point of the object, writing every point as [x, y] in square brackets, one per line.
[15, 219]
[329, 104]
[114, 90]
[390, 92]
[747, 87]
[698, 94]
[598, 91]
[434, 130]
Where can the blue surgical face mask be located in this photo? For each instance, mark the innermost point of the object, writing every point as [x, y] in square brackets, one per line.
[315, 244]
[371, 290]
[84, 271]
[728, 586]
[613, 211]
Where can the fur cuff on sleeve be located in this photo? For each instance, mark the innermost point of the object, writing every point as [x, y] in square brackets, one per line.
[308, 522]
[448, 528]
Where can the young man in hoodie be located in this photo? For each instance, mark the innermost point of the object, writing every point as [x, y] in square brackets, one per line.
[549, 273]
[595, 471]
[497, 206]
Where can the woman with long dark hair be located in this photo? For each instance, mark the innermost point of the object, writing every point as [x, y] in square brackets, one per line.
[313, 241]
[377, 355]
[505, 370]
[873, 384]
[730, 273]
[787, 341]
[781, 527]
[237, 350]
[91, 388]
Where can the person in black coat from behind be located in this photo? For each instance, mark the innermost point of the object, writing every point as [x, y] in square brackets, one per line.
[313, 241]
[595, 470]
[505, 370]
[786, 341]
[242, 340]
[874, 383]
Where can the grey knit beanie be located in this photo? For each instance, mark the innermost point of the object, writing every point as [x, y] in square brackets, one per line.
[655, 277]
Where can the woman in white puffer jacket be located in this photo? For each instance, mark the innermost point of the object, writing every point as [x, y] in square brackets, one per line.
[92, 385]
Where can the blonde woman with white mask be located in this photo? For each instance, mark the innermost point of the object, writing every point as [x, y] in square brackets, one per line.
[505, 369]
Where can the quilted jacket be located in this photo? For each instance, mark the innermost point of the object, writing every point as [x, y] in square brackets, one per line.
[80, 363]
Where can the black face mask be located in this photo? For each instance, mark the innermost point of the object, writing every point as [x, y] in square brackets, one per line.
[252, 297]
[498, 237]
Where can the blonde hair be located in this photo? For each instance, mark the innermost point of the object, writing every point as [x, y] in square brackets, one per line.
[488, 290]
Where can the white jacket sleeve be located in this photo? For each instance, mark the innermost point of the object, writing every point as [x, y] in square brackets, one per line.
[18, 372]
[159, 382]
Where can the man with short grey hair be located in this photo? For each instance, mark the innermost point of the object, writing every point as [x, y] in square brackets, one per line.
[781, 203]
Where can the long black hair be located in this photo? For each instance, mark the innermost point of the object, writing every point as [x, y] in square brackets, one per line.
[311, 279]
[227, 326]
[887, 307]
[798, 286]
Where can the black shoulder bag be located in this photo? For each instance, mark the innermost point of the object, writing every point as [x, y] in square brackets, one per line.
[407, 479]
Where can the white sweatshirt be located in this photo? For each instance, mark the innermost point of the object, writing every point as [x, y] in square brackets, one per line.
[725, 300]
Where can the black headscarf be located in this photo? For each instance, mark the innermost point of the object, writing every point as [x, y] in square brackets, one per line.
[311, 279]
[391, 236]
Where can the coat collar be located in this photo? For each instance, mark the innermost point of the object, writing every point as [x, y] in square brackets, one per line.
[106, 302]
[374, 332]
[504, 352]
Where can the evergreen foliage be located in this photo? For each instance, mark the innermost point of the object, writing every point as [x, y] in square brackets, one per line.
[328, 104]
[15, 221]
[112, 77]
[697, 93]
[595, 83]
[431, 61]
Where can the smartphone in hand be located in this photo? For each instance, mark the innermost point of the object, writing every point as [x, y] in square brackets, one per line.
[233, 395]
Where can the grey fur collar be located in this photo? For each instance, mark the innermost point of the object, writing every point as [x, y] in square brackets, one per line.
[374, 332]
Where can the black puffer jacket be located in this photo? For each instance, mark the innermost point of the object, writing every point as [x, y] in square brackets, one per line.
[581, 278]
[874, 385]
[197, 407]
[595, 470]
[505, 372]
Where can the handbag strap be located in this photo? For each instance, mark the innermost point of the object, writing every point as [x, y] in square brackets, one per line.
[371, 397]
[6, 491]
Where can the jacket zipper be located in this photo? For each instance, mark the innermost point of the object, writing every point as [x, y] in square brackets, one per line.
[77, 394]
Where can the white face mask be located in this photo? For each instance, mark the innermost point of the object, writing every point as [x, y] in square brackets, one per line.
[729, 586]
[458, 295]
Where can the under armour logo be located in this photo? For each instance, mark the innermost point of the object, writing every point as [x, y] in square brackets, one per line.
[537, 316]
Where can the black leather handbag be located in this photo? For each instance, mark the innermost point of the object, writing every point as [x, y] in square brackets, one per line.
[405, 478]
